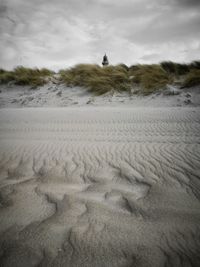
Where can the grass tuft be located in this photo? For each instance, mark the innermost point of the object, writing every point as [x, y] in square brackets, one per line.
[195, 65]
[149, 77]
[192, 78]
[25, 76]
[175, 68]
[96, 79]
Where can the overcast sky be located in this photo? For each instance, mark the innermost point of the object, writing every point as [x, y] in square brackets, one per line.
[60, 33]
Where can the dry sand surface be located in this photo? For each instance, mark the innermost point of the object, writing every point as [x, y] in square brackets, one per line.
[58, 95]
[106, 187]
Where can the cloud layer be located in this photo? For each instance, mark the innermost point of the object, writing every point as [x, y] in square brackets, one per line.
[58, 34]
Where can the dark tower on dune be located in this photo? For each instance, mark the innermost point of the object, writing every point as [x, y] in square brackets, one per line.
[105, 60]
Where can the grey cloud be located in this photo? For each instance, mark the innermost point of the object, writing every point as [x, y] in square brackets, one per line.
[59, 33]
[3, 9]
[150, 57]
[162, 29]
[187, 3]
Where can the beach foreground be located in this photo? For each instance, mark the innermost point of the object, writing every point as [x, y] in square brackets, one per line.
[102, 187]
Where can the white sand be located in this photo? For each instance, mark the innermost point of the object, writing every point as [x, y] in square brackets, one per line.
[100, 186]
[58, 95]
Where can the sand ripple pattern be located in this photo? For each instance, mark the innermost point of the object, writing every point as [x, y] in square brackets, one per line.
[100, 187]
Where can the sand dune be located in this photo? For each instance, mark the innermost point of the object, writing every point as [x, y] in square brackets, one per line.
[100, 187]
[58, 95]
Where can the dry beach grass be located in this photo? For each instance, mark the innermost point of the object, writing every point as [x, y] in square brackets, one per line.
[142, 79]
[25, 76]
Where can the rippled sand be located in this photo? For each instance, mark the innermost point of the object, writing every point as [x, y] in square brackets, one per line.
[100, 187]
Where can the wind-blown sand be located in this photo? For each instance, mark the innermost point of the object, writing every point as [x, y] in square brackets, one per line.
[100, 187]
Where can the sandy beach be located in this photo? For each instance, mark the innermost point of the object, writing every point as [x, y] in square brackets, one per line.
[100, 133]
[100, 186]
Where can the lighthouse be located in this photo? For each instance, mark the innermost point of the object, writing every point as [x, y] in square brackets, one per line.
[105, 60]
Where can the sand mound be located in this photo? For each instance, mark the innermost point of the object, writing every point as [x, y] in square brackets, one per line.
[100, 187]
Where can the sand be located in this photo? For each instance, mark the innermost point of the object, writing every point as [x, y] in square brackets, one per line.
[100, 186]
[58, 95]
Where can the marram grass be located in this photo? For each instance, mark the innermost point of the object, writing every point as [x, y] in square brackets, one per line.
[120, 78]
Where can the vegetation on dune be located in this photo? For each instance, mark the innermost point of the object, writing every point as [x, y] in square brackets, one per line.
[195, 65]
[149, 77]
[6, 76]
[190, 72]
[146, 79]
[98, 80]
[176, 69]
[192, 78]
[25, 76]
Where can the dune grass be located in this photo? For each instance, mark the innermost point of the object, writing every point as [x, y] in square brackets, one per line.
[25, 76]
[99, 80]
[96, 79]
[192, 78]
[149, 77]
[176, 69]
[6, 76]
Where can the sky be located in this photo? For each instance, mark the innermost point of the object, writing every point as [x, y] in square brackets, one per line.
[58, 34]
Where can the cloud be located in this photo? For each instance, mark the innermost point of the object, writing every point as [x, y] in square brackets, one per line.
[187, 3]
[61, 33]
[150, 57]
[176, 29]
